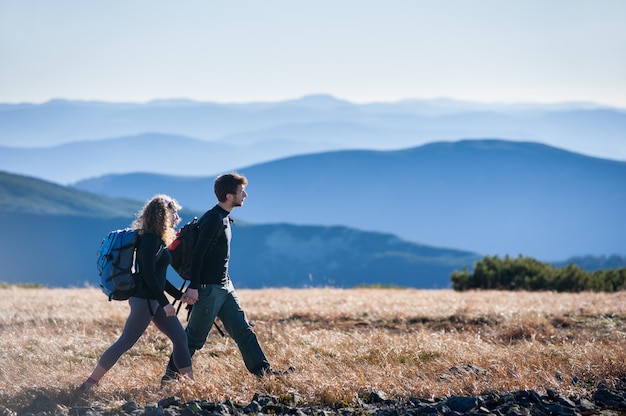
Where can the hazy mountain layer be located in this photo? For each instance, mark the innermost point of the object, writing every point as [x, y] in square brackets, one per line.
[51, 235]
[485, 196]
[66, 141]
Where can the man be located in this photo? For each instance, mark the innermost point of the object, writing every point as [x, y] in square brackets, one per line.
[211, 291]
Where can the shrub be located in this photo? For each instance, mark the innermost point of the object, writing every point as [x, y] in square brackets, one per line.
[525, 273]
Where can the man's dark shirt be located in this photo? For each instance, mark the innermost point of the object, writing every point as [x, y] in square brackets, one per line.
[209, 264]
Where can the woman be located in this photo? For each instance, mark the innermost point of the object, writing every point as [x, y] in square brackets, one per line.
[155, 224]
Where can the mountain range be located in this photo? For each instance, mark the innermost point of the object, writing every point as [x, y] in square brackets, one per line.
[492, 197]
[202, 139]
[51, 234]
[465, 178]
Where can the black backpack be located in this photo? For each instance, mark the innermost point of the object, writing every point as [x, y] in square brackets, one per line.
[182, 248]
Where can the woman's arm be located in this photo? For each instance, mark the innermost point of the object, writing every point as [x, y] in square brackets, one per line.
[148, 249]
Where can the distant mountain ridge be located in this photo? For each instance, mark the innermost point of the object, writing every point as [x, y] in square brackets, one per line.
[62, 132]
[149, 152]
[51, 234]
[486, 196]
[64, 121]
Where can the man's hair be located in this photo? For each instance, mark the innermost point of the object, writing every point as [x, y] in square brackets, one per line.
[228, 184]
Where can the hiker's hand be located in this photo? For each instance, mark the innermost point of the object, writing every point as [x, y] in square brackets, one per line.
[190, 296]
[170, 310]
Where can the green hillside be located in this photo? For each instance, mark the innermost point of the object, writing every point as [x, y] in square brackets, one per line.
[52, 234]
[33, 196]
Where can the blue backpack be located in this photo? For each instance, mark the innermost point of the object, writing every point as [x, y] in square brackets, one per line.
[117, 264]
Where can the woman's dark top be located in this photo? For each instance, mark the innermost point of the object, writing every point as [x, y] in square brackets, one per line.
[153, 259]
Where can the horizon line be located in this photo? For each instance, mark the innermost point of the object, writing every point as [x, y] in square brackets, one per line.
[302, 97]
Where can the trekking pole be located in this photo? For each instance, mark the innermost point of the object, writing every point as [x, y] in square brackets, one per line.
[178, 300]
[219, 329]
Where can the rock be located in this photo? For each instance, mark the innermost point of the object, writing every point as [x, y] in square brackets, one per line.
[264, 399]
[375, 402]
[43, 404]
[171, 411]
[527, 397]
[586, 405]
[130, 406]
[4, 411]
[376, 396]
[191, 408]
[462, 404]
[153, 409]
[83, 411]
[170, 401]
[609, 398]
[253, 408]
[565, 402]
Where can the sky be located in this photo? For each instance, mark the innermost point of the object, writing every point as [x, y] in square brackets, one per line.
[496, 51]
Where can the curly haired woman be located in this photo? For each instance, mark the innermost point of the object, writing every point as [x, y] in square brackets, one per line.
[155, 224]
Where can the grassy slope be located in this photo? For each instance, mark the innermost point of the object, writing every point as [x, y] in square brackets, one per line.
[404, 342]
[29, 195]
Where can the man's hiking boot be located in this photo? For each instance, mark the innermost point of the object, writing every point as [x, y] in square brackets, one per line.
[168, 379]
[269, 371]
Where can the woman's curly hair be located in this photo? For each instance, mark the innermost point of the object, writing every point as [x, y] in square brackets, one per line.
[160, 216]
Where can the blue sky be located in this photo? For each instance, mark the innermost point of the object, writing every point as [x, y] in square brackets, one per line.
[270, 50]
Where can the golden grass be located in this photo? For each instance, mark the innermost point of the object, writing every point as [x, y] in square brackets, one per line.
[406, 342]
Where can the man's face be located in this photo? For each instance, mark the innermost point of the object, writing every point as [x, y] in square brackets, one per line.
[240, 196]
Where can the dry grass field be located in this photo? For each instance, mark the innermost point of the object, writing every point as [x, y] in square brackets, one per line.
[405, 342]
